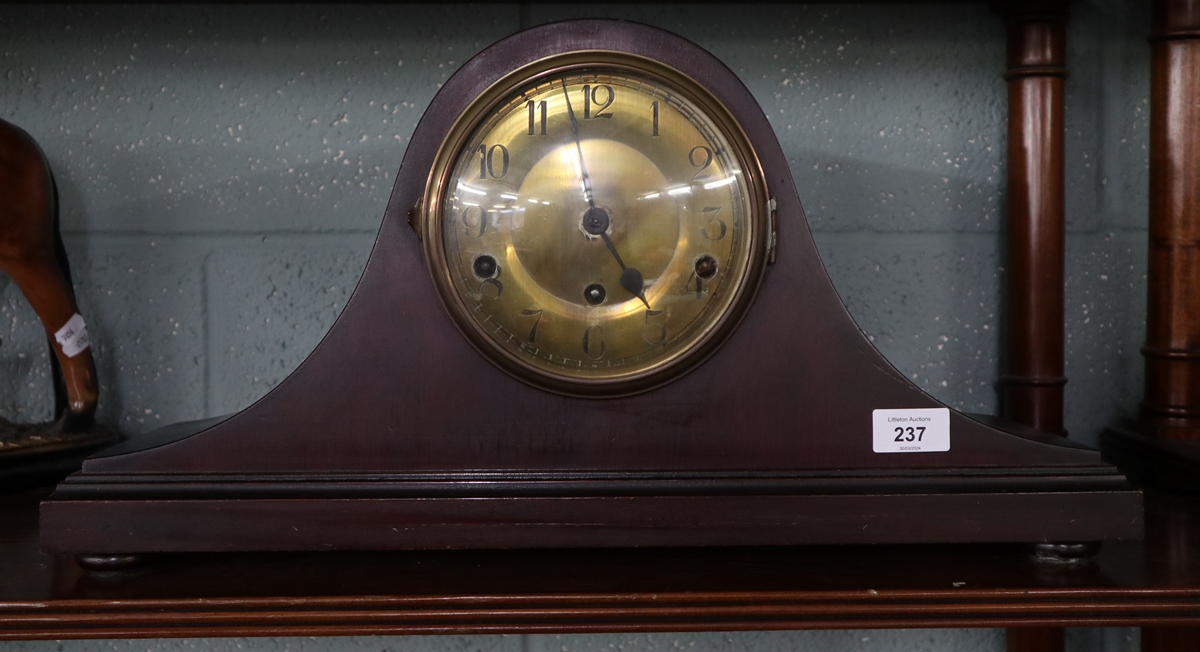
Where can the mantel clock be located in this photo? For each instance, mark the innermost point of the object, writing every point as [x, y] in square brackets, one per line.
[594, 316]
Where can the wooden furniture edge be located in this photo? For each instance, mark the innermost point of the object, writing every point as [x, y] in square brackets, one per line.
[615, 612]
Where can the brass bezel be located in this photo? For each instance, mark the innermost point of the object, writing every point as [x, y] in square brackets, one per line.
[672, 366]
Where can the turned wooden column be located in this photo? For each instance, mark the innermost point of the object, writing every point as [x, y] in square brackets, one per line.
[1034, 379]
[1033, 384]
[1172, 351]
[1171, 406]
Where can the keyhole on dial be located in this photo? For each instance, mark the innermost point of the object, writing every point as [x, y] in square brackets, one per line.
[484, 266]
[594, 294]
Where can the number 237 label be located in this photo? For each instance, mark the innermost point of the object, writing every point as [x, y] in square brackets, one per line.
[917, 430]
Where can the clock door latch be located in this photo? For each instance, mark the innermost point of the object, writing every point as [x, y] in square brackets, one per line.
[414, 218]
[772, 236]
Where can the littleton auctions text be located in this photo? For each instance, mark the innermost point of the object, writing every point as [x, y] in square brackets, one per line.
[907, 419]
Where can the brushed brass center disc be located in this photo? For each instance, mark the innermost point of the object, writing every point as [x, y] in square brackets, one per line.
[556, 249]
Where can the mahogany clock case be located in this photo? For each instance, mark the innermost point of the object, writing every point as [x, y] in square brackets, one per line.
[395, 433]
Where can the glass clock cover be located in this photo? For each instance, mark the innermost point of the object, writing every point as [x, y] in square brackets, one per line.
[596, 226]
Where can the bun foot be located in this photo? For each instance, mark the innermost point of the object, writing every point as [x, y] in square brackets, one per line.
[1066, 553]
[109, 563]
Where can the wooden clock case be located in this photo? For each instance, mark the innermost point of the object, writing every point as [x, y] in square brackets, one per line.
[395, 433]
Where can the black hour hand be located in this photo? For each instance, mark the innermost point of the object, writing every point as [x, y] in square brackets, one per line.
[632, 280]
[595, 222]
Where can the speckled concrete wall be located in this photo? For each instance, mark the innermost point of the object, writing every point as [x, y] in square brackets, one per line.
[223, 170]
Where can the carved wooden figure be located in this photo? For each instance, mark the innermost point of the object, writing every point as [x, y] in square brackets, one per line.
[31, 252]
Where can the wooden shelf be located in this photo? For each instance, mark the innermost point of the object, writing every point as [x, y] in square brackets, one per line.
[684, 589]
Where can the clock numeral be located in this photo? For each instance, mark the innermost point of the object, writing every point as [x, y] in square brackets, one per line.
[532, 117]
[714, 228]
[654, 107]
[654, 332]
[593, 342]
[487, 161]
[533, 331]
[591, 95]
[475, 219]
[700, 157]
[486, 269]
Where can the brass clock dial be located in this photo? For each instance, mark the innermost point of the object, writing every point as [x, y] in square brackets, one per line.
[596, 223]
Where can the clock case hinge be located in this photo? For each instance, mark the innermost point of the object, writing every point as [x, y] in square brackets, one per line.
[773, 235]
[414, 218]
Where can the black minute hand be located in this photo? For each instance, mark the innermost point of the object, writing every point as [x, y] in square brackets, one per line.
[596, 219]
[587, 182]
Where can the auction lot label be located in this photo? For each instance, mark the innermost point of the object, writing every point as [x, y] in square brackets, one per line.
[916, 430]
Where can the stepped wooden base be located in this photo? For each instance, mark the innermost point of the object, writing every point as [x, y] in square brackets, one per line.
[135, 515]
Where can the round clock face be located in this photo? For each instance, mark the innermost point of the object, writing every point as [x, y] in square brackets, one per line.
[596, 225]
